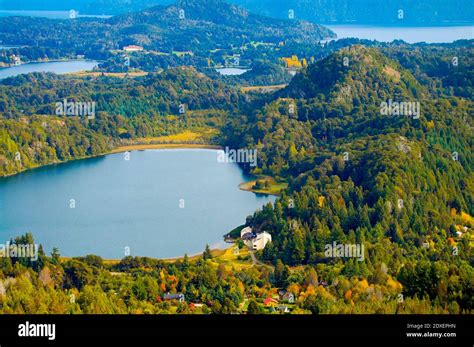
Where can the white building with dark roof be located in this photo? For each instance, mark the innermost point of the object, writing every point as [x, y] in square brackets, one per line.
[260, 241]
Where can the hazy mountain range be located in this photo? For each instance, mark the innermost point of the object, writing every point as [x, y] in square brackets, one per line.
[433, 12]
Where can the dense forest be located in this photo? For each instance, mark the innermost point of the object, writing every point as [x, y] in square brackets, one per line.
[359, 177]
[446, 69]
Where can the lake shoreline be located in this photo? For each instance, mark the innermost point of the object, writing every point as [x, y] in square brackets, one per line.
[122, 149]
[245, 186]
[144, 147]
[216, 252]
[217, 247]
[274, 188]
[411, 34]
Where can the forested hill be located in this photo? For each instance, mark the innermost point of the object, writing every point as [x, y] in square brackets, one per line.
[229, 24]
[390, 182]
[189, 25]
[446, 68]
[402, 186]
[149, 95]
[332, 104]
[350, 73]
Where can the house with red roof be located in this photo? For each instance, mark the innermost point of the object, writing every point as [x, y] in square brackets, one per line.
[270, 302]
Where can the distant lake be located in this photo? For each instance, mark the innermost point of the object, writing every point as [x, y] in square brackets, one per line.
[9, 47]
[47, 14]
[408, 34]
[59, 67]
[135, 203]
[231, 71]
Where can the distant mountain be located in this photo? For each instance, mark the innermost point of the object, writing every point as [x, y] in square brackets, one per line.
[433, 12]
[213, 22]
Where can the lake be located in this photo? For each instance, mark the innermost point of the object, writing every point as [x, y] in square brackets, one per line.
[408, 34]
[59, 67]
[132, 203]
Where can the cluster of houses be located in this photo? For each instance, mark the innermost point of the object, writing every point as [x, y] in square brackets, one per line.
[274, 304]
[255, 241]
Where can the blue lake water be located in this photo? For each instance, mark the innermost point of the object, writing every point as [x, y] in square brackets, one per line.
[231, 71]
[160, 203]
[59, 67]
[408, 34]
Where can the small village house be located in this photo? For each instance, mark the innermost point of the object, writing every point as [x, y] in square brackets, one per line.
[270, 302]
[287, 297]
